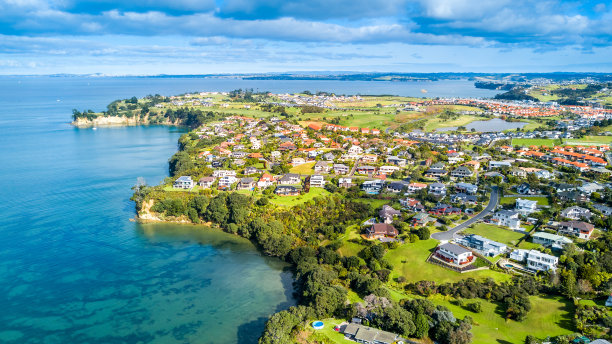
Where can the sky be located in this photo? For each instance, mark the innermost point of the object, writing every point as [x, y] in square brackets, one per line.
[149, 37]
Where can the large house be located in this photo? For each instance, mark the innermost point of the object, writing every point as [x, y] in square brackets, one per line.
[393, 160]
[414, 187]
[462, 172]
[345, 182]
[366, 169]
[576, 213]
[341, 169]
[388, 169]
[289, 178]
[525, 206]
[463, 198]
[421, 219]
[223, 173]
[444, 209]
[506, 218]
[387, 213]
[535, 260]
[437, 189]
[286, 190]
[265, 181]
[206, 182]
[467, 188]
[183, 182]
[549, 239]
[322, 167]
[246, 184]
[580, 229]
[317, 181]
[453, 253]
[381, 230]
[368, 335]
[412, 204]
[483, 245]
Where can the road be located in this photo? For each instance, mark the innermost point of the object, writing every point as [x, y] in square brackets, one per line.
[449, 234]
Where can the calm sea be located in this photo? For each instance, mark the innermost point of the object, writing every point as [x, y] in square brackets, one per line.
[74, 269]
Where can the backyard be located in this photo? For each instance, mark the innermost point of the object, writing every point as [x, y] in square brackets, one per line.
[495, 233]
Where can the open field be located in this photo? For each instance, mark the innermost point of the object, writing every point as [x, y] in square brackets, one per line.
[536, 142]
[495, 233]
[590, 140]
[290, 201]
[408, 260]
[549, 316]
[306, 168]
[436, 122]
[512, 200]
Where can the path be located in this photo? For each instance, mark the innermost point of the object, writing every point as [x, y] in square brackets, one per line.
[448, 235]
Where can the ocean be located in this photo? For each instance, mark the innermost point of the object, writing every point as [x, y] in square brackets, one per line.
[74, 268]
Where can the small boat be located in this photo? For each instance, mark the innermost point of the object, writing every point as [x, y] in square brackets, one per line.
[94, 128]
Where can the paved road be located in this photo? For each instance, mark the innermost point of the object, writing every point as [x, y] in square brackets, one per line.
[448, 235]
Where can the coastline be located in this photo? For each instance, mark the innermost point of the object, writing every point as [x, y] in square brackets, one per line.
[117, 121]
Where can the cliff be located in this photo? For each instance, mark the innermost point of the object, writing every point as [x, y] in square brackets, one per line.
[108, 121]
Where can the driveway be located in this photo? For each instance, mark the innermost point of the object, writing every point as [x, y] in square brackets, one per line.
[449, 234]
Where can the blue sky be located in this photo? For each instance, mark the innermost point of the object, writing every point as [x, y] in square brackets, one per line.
[243, 36]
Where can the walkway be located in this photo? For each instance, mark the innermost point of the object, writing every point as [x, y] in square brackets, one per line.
[448, 235]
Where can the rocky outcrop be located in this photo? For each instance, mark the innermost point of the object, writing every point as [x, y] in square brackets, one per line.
[109, 121]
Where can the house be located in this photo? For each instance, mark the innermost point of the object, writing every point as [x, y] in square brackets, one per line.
[286, 190]
[580, 229]
[507, 218]
[435, 173]
[287, 146]
[265, 181]
[576, 213]
[387, 213]
[289, 178]
[206, 182]
[604, 209]
[183, 182]
[297, 161]
[462, 172]
[453, 253]
[552, 240]
[525, 206]
[251, 170]
[414, 187]
[525, 189]
[366, 169]
[355, 150]
[483, 245]
[246, 184]
[421, 219]
[345, 182]
[535, 260]
[589, 188]
[226, 181]
[322, 167]
[498, 164]
[317, 181]
[341, 169]
[454, 157]
[467, 188]
[393, 160]
[368, 335]
[395, 187]
[388, 169]
[381, 230]
[437, 189]
[573, 196]
[517, 172]
[372, 187]
[544, 174]
[464, 198]
[369, 158]
[223, 173]
[411, 204]
[444, 209]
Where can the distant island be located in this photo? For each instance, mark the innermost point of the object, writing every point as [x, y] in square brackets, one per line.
[397, 231]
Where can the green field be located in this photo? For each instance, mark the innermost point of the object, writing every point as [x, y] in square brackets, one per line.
[536, 142]
[408, 260]
[512, 200]
[294, 200]
[591, 140]
[549, 316]
[495, 233]
[306, 168]
[436, 123]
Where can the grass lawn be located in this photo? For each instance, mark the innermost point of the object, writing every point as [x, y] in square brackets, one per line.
[495, 233]
[306, 168]
[408, 260]
[293, 200]
[463, 120]
[375, 203]
[196, 188]
[549, 316]
[590, 140]
[512, 200]
[350, 248]
[328, 331]
[536, 142]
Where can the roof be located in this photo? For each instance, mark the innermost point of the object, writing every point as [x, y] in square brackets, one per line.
[184, 179]
[454, 249]
[583, 226]
[553, 237]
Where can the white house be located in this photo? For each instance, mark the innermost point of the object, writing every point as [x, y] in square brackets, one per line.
[576, 213]
[223, 173]
[355, 150]
[507, 218]
[525, 206]
[535, 260]
[227, 181]
[414, 187]
[549, 239]
[498, 164]
[453, 253]
[183, 182]
[388, 169]
[317, 181]
[206, 182]
[437, 189]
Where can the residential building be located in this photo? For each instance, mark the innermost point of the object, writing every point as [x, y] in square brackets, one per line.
[507, 218]
[535, 260]
[421, 219]
[183, 182]
[381, 230]
[453, 253]
[289, 178]
[227, 181]
[393, 160]
[265, 181]
[552, 240]
[345, 182]
[286, 190]
[387, 214]
[414, 187]
[444, 209]
[246, 184]
[464, 198]
[366, 169]
[467, 188]
[388, 169]
[525, 206]
[580, 229]
[435, 173]
[396, 187]
[437, 189]
[368, 335]
[341, 169]
[498, 164]
[412, 204]
[317, 181]
[604, 209]
[322, 167]
[483, 245]
[223, 173]
[206, 182]
[462, 172]
[576, 213]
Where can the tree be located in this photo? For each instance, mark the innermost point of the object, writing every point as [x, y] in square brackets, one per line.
[180, 162]
[423, 233]
[421, 326]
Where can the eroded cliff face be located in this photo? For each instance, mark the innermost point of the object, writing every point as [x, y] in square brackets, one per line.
[108, 121]
[146, 215]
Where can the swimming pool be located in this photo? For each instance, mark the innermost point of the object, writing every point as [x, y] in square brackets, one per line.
[317, 325]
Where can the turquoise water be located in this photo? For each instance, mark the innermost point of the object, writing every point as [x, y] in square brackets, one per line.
[75, 269]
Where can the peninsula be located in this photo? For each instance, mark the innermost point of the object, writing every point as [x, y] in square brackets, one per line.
[401, 219]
